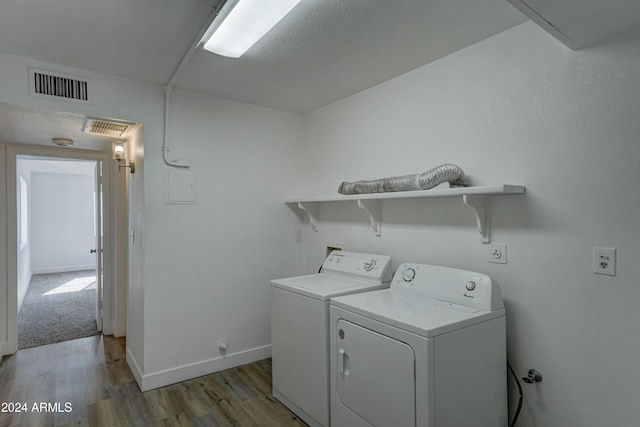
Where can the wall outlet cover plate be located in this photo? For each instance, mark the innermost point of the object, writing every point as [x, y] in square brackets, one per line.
[604, 261]
[497, 253]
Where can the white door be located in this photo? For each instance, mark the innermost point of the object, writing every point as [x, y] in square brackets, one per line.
[99, 252]
[376, 376]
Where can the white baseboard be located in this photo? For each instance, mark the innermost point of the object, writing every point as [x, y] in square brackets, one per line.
[135, 368]
[198, 369]
[21, 298]
[47, 270]
[6, 348]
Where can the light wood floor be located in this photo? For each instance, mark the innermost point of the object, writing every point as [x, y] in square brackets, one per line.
[91, 377]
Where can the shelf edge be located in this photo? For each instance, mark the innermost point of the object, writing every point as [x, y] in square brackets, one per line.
[421, 194]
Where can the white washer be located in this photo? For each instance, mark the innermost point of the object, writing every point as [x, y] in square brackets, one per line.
[430, 351]
[300, 328]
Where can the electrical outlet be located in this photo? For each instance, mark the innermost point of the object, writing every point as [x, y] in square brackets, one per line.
[604, 261]
[497, 253]
[333, 246]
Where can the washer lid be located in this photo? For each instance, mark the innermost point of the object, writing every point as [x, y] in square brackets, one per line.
[424, 316]
[323, 286]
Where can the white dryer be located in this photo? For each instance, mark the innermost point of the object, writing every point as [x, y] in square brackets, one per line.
[430, 351]
[300, 328]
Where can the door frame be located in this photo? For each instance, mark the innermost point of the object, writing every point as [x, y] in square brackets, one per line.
[98, 204]
[12, 154]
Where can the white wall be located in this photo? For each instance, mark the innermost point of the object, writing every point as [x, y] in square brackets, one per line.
[114, 97]
[24, 253]
[135, 293]
[208, 266]
[197, 273]
[518, 108]
[62, 218]
[4, 262]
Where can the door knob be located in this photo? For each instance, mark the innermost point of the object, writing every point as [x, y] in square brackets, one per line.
[533, 377]
[93, 251]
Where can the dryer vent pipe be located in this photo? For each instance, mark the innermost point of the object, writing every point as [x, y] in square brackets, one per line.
[431, 178]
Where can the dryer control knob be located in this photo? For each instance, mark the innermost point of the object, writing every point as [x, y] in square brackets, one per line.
[409, 274]
[471, 285]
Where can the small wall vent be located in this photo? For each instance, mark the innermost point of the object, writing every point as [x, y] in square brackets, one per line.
[58, 86]
[106, 127]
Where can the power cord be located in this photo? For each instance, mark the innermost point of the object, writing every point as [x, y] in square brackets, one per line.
[520, 398]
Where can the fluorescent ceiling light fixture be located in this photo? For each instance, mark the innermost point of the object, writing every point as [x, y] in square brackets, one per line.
[245, 24]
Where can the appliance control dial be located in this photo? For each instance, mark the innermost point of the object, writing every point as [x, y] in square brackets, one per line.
[409, 274]
[370, 265]
[471, 285]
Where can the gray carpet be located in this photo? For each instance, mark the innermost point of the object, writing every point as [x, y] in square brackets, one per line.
[58, 307]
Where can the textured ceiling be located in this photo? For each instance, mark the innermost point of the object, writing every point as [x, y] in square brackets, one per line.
[578, 23]
[324, 50]
[38, 126]
[139, 39]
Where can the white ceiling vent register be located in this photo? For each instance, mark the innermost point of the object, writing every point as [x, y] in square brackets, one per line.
[106, 127]
[61, 87]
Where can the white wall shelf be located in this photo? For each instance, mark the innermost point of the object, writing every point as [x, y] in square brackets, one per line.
[477, 198]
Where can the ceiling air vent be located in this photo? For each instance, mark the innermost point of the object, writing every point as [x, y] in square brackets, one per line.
[58, 86]
[106, 127]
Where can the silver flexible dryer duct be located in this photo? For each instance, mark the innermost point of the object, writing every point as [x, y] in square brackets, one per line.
[431, 178]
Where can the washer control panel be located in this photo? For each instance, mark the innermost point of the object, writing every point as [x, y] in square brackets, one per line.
[452, 285]
[357, 265]
[370, 265]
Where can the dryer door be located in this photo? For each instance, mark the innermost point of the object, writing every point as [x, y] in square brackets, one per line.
[376, 376]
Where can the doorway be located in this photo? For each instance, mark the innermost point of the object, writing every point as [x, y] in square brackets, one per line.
[100, 249]
[59, 268]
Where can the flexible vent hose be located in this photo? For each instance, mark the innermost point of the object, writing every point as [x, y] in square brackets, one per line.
[431, 178]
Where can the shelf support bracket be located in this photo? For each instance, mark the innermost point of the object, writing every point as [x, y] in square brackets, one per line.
[311, 208]
[480, 205]
[374, 209]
